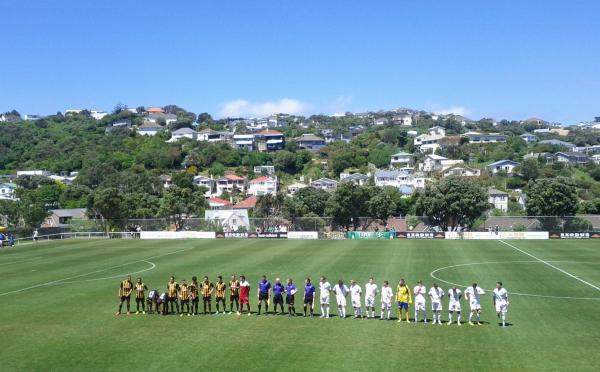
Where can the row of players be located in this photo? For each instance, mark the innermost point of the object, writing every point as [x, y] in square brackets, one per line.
[184, 298]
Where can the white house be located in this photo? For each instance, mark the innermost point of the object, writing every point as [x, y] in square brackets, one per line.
[262, 186]
[218, 203]
[97, 115]
[230, 183]
[357, 178]
[461, 171]
[209, 135]
[483, 138]
[324, 184]
[183, 133]
[41, 173]
[402, 159]
[437, 163]
[404, 120]
[148, 128]
[400, 179]
[428, 142]
[243, 141]
[156, 116]
[437, 130]
[499, 199]
[506, 166]
[529, 138]
[207, 182]
[380, 121]
[229, 219]
[295, 187]
[265, 170]
[7, 191]
[596, 159]
[572, 158]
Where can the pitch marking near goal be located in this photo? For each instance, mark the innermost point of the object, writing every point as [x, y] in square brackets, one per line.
[18, 262]
[552, 266]
[432, 274]
[61, 281]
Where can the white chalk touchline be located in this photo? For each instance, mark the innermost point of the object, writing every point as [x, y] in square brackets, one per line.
[432, 274]
[552, 266]
[153, 265]
[90, 273]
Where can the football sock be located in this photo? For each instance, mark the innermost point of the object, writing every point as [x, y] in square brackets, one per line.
[458, 317]
[503, 318]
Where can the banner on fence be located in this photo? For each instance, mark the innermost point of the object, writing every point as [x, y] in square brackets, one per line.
[335, 235]
[232, 235]
[379, 235]
[270, 235]
[177, 235]
[303, 235]
[485, 235]
[420, 235]
[574, 235]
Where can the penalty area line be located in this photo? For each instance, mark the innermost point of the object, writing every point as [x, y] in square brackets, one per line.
[552, 266]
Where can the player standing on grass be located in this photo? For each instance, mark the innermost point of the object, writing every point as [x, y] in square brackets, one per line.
[419, 292]
[309, 297]
[234, 294]
[324, 289]
[501, 302]
[152, 301]
[244, 295]
[290, 291]
[207, 289]
[355, 294]
[220, 288]
[473, 295]
[454, 296]
[125, 294]
[163, 303]
[341, 291]
[262, 293]
[404, 299]
[194, 295]
[278, 290]
[370, 294]
[386, 299]
[435, 295]
[172, 289]
[140, 296]
[184, 297]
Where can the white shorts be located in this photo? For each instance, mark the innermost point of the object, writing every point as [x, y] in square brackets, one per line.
[370, 302]
[386, 305]
[501, 307]
[356, 302]
[420, 306]
[436, 306]
[324, 300]
[341, 301]
[475, 305]
[454, 306]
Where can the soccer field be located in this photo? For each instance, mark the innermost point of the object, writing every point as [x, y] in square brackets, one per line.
[58, 302]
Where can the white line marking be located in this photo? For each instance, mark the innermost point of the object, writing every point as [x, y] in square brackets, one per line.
[59, 281]
[153, 265]
[18, 262]
[552, 266]
[432, 274]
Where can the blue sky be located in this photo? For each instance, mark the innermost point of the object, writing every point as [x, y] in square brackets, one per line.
[502, 59]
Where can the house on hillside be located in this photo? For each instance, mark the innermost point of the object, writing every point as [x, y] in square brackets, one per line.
[329, 138]
[156, 117]
[295, 187]
[183, 133]
[231, 183]
[529, 138]
[437, 163]
[484, 138]
[571, 158]
[264, 170]
[269, 140]
[209, 135]
[8, 191]
[554, 142]
[380, 121]
[243, 141]
[207, 182]
[499, 199]
[218, 203]
[154, 110]
[428, 142]
[404, 120]
[461, 171]
[324, 184]
[506, 166]
[166, 180]
[148, 128]
[356, 178]
[596, 159]
[310, 142]
[402, 159]
[262, 186]
[248, 203]
[229, 219]
[62, 217]
[437, 130]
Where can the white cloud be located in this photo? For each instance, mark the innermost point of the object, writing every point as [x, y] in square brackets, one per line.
[245, 108]
[340, 105]
[456, 110]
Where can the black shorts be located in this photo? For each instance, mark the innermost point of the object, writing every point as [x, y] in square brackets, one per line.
[184, 301]
[172, 299]
[220, 299]
[125, 298]
[195, 300]
[206, 300]
[139, 299]
[263, 296]
[278, 299]
[235, 298]
[289, 300]
[308, 300]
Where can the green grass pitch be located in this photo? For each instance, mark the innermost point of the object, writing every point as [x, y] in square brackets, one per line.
[58, 303]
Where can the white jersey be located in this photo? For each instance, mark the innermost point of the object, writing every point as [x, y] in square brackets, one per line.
[501, 295]
[419, 292]
[355, 292]
[324, 289]
[340, 294]
[370, 294]
[436, 294]
[474, 295]
[454, 295]
[386, 295]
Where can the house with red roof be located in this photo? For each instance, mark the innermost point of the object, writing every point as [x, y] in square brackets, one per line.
[248, 203]
[218, 203]
[155, 110]
[262, 186]
[231, 183]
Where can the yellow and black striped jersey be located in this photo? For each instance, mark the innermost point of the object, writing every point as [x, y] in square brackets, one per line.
[234, 287]
[220, 290]
[172, 289]
[207, 288]
[184, 292]
[125, 288]
[140, 290]
[193, 288]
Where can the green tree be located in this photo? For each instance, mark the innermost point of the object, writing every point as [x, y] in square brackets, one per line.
[529, 169]
[108, 204]
[551, 197]
[348, 203]
[381, 206]
[312, 200]
[178, 204]
[452, 202]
